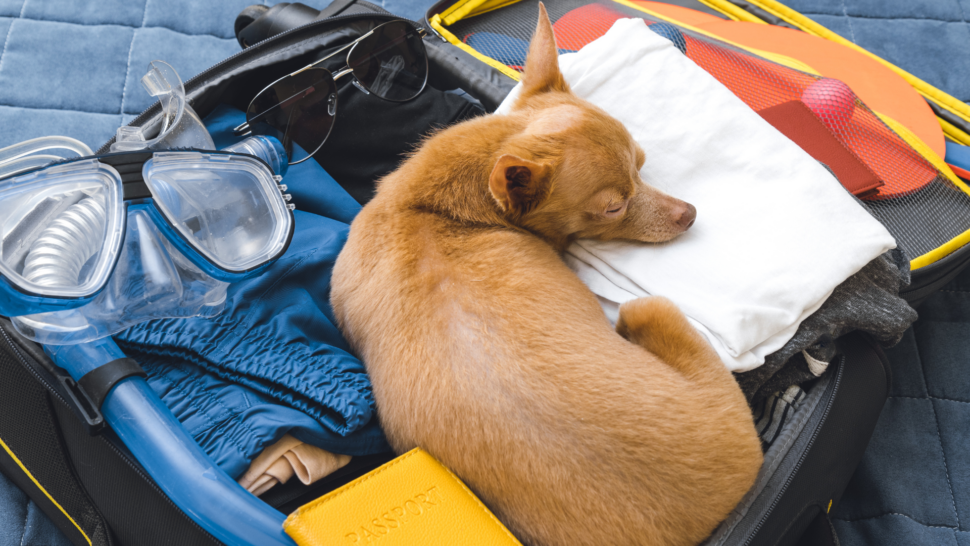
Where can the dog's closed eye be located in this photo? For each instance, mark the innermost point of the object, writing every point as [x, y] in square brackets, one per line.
[615, 209]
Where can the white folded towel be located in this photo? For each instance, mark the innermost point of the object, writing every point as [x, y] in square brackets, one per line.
[775, 231]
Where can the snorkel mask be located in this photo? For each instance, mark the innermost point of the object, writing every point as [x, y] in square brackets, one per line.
[92, 245]
[86, 251]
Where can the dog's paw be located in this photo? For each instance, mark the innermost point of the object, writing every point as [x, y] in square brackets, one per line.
[642, 315]
[658, 325]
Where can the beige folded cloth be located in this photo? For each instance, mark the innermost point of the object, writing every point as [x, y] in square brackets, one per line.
[280, 461]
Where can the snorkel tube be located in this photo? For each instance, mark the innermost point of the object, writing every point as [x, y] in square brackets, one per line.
[171, 457]
[157, 440]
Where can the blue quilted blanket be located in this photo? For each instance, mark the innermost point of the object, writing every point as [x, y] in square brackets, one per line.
[72, 67]
[913, 485]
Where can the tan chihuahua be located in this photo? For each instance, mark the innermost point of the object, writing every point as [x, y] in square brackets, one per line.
[488, 352]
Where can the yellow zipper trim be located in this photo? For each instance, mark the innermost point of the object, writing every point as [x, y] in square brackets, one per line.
[41, 487]
[458, 10]
[953, 132]
[470, 8]
[942, 99]
[491, 5]
[941, 252]
[436, 24]
[732, 11]
[960, 240]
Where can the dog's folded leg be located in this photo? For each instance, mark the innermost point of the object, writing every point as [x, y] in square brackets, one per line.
[659, 326]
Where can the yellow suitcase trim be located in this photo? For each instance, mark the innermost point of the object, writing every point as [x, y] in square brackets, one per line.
[41, 487]
[437, 24]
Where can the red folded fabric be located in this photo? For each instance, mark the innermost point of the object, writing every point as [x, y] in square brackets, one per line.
[797, 122]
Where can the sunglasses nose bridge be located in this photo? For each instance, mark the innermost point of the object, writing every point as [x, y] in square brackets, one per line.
[343, 72]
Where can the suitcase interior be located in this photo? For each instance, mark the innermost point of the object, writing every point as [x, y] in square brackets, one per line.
[91, 487]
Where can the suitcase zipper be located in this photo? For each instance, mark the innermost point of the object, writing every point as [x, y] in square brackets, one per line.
[804, 454]
[30, 369]
[82, 405]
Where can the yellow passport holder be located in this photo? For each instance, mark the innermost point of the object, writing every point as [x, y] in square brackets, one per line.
[412, 500]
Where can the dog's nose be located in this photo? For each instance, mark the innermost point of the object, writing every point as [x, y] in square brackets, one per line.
[684, 216]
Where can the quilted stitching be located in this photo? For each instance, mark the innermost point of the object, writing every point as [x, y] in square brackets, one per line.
[105, 12]
[913, 484]
[73, 67]
[65, 80]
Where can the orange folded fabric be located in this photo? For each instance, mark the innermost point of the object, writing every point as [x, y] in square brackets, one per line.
[286, 458]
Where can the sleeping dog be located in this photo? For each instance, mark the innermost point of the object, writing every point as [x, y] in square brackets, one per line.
[488, 352]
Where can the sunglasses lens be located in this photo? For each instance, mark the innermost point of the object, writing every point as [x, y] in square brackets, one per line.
[391, 63]
[297, 109]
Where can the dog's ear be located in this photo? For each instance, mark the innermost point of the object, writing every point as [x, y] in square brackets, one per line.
[542, 65]
[519, 185]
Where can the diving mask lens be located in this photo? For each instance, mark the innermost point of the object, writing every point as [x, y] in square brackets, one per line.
[228, 207]
[60, 230]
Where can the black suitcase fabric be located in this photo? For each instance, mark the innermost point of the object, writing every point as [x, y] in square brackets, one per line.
[93, 490]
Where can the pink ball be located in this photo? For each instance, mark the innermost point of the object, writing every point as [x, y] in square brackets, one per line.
[831, 100]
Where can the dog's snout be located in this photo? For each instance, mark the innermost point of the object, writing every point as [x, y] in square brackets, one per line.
[684, 215]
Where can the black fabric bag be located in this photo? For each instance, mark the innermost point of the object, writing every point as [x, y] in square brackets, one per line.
[91, 487]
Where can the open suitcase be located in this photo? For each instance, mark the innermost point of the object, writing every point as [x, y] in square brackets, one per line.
[94, 490]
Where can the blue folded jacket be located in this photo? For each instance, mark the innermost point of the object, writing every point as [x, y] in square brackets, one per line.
[273, 362]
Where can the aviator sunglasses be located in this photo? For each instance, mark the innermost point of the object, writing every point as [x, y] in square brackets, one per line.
[389, 62]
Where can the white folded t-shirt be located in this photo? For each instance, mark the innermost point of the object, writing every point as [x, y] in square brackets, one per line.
[775, 231]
